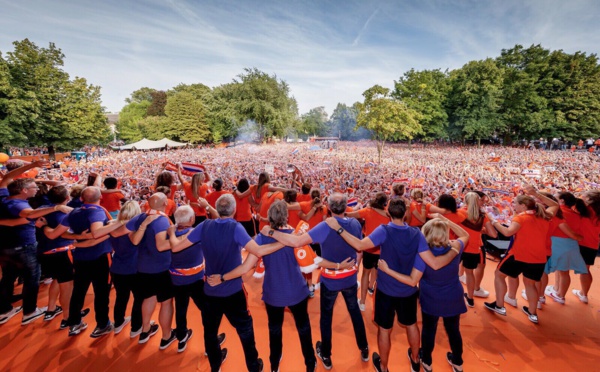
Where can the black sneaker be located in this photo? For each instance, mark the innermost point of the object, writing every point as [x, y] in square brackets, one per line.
[371, 291]
[77, 329]
[414, 366]
[532, 317]
[85, 312]
[99, 332]
[493, 307]
[165, 343]
[364, 354]
[182, 344]
[470, 301]
[52, 314]
[261, 365]
[224, 355]
[326, 360]
[63, 324]
[455, 367]
[145, 336]
[377, 362]
[221, 338]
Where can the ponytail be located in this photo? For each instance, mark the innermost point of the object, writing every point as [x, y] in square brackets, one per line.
[473, 212]
[540, 212]
[582, 208]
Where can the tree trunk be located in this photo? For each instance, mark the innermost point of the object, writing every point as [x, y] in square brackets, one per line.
[478, 142]
[51, 153]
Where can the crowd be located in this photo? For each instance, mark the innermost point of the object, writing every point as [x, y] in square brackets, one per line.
[173, 225]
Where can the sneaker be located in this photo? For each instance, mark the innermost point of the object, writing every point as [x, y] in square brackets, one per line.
[481, 293]
[221, 338]
[557, 298]
[317, 286]
[261, 365]
[414, 366]
[364, 354]
[542, 300]
[326, 360]
[52, 314]
[119, 328]
[426, 367]
[145, 336]
[311, 292]
[371, 291]
[377, 362]
[224, 356]
[511, 301]
[181, 345]
[165, 343]
[6, 316]
[493, 307]
[549, 289]
[362, 307]
[85, 312]
[455, 368]
[99, 332]
[470, 301]
[524, 295]
[583, 298]
[532, 317]
[77, 329]
[463, 279]
[63, 324]
[37, 313]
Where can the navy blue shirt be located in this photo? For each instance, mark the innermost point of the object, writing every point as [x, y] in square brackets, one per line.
[150, 259]
[190, 258]
[20, 235]
[81, 219]
[125, 256]
[54, 219]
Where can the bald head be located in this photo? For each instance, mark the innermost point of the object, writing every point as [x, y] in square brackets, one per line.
[91, 195]
[158, 201]
[337, 203]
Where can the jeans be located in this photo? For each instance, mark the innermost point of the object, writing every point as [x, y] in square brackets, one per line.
[94, 272]
[183, 293]
[328, 298]
[429, 328]
[124, 286]
[300, 313]
[15, 262]
[235, 308]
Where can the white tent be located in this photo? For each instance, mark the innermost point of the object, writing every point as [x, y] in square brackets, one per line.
[146, 144]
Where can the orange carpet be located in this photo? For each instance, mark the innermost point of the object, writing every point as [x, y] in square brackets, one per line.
[567, 339]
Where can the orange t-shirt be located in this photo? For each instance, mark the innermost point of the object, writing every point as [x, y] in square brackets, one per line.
[590, 229]
[573, 219]
[187, 189]
[530, 241]
[242, 209]
[303, 198]
[293, 218]
[414, 206]
[111, 201]
[317, 217]
[475, 241]
[265, 203]
[171, 207]
[372, 221]
[213, 196]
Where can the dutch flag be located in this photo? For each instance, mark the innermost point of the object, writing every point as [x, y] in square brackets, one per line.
[295, 151]
[352, 202]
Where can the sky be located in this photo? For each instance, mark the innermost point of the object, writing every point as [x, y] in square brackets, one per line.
[327, 51]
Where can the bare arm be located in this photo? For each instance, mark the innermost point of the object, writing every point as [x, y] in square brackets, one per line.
[506, 231]
[10, 176]
[356, 243]
[347, 263]
[262, 250]
[98, 229]
[564, 227]
[137, 236]
[162, 243]
[412, 280]
[90, 242]
[288, 239]
[248, 264]
[14, 221]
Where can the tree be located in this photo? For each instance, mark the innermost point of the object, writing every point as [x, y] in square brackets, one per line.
[426, 92]
[12, 115]
[343, 124]
[386, 117]
[142, 94]
[187, 119]
[130, 116]
[314, 122]
[475, 99]
[158, 103]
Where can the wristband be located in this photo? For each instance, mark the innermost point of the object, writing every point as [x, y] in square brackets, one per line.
[340, 230]
[271, 232]
[222, 278]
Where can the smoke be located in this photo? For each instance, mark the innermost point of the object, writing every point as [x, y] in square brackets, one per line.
[248, 132]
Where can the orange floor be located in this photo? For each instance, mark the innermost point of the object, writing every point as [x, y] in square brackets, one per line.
[567, 339]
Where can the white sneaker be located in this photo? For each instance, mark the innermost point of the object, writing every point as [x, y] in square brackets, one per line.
[542, 299]
[549, 289]
[539, 305]
[481, 293]
[6, 316]
[581, 297]
[317, 286]
[463, 279]
[510, 301]
[362, 307]
[557, 298]
[524, 295]
[37, 313]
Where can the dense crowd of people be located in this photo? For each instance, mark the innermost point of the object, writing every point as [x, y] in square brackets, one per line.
[187, 224]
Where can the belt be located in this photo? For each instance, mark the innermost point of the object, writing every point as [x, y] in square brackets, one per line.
[339, 274]
[187, 271]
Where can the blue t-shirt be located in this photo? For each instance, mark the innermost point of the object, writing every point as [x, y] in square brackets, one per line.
[3, 193]
[54, 219]
[21, 235]
[335, 249]
[441, 292]
[125, 257]
[400, 245]
[222, 242]
[150, 259]
[81, 219]
[283, 284]
[191, 257]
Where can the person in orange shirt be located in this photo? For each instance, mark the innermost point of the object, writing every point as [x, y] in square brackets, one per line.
[218, 191]
[314, 213]
[418, 210]
[527, 255]
[165, 178]
[112, 197]
[305, 196]
[590, 229]
[243, 212]
[374, 215]
[171, 206]
[195, 190]
[267, 199]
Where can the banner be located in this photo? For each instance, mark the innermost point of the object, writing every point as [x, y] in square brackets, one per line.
[188, 169]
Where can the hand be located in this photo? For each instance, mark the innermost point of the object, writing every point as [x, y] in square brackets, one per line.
[64, 209]
[41, 163]
[178, 166]
[436, 215]
[41, 222]
[333, 223]
[171, 230]
[149, 220]
[347, 263]
[529, 189]
[213, 280]
[84, 235]
[203, 203]
[383, 266]
[265, 230]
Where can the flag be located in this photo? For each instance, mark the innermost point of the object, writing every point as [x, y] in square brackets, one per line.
[352, 202]
[188, 169]
[296, 150]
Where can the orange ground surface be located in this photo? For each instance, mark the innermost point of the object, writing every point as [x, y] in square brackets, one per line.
[567, 339]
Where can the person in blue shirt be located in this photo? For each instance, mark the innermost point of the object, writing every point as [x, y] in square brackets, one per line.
[335, 280]
[441, 293]
[402, 247]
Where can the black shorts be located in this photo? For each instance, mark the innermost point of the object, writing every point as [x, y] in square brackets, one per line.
[57, 266]
[471, 260]
[249, 226]
[386, 306]
[513, 268]
[370, 260]
[317, 248]
[158, 285]
[588, 254]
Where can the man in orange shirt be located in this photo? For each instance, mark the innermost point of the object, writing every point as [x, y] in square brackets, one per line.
[112, 197]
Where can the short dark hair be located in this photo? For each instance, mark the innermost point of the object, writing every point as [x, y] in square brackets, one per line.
[447, 202]
[18, 185]
[217, 184]
[58, 194]
[110, 183]
[290, 195]
[243, 185]
[397, 208]
[306, 188]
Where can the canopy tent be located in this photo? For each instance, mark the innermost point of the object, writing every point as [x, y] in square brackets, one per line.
[146, 144]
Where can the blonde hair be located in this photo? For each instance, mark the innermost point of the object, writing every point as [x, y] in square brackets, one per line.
[197, 181]
[473, 212]
[417, 194]
[129, 210]
[436, 233]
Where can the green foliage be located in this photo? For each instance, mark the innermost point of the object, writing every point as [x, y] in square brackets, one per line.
[159, 101]
[142, 94]
[313, 122]
[186, 119]
[128, 127]
[343, 124]
[426, 92]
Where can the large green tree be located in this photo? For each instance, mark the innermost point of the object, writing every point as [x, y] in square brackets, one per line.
[186, 119]
[314, 122]
[129, 127]
[386, 117]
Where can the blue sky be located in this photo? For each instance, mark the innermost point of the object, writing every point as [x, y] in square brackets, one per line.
[327, 51]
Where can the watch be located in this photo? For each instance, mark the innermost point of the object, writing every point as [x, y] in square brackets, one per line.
[340, 230]
[222, 278]
[271, 232]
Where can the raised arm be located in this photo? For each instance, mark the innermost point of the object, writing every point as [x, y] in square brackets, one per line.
[10, 176]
